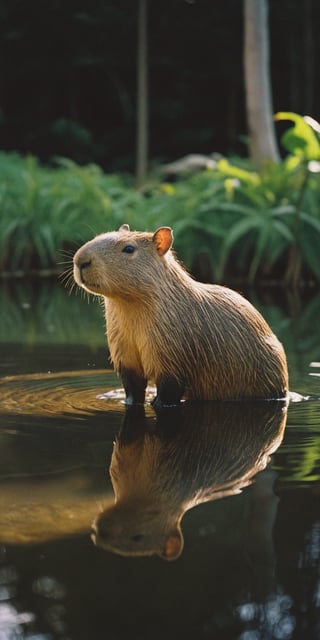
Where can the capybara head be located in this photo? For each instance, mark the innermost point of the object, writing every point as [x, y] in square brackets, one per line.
[138, 529]
[122, 263]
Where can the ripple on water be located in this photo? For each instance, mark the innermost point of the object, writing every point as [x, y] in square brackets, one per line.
[53, 481]
[87, 392]
[76, 393]
[73, 392]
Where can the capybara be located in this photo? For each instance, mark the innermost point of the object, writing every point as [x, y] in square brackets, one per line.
[199, 452]
[201, 341]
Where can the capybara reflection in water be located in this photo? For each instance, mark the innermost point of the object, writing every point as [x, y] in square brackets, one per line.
[200, 341]
[194, 453]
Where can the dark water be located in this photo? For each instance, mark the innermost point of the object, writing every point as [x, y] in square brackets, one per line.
[244, 548]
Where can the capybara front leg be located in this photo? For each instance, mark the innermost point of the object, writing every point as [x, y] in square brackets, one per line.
[134, 386]
[169, 392]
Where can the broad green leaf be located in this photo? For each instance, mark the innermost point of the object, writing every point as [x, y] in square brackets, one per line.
[284, 210]
[300, 139]
[231, 171]
[311, 221]
[259, 251]
[234, 208]
[276, 248]
[283, 230]
[239, 230]
[195, 225]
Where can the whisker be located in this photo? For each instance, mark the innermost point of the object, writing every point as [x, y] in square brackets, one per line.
[68, 273]
[67, 279]
[67, 262]
[86, 295]
[67, 252]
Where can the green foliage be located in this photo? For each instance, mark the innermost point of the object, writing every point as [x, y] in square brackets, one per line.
[230, 220]
[46, 211]
[268, 221]
[301, 139]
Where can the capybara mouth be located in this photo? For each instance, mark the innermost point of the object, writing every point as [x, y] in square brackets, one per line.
[82, 279]
[92, 286]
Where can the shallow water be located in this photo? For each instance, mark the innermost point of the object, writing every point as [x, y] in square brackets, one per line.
[245, 562]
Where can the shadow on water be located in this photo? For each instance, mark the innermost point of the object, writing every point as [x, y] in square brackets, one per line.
[70, 455]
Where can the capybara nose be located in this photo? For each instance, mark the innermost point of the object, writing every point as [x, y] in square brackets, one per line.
[82, 260]
[84, 264]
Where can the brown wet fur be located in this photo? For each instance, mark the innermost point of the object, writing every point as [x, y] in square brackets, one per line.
[163, 326]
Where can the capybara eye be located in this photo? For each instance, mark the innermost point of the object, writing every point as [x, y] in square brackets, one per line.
[137, 538]
[129, 248]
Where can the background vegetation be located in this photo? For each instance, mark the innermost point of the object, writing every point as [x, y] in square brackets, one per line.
[229, 220]
[75, 95]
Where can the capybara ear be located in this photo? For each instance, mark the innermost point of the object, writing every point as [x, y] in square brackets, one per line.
[124, 227]
[163, 239]
[173, 545]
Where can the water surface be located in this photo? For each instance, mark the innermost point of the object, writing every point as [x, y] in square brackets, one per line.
[229, 493]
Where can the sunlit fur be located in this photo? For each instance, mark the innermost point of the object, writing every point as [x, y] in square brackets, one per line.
[208, 451]
[161, 322]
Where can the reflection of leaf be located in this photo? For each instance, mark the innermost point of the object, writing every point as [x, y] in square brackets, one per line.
[303, 463]
[52, 316]
[300, 139]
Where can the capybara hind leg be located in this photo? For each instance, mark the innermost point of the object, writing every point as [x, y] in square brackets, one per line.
[169, 392]
[134, 386]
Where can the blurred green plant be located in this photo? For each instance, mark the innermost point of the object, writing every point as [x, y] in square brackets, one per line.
[47, 211]
[251, 222]
[228, 221]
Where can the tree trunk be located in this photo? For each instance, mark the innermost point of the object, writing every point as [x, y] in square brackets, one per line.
[142, 95]
[262, 139]
[308, 62]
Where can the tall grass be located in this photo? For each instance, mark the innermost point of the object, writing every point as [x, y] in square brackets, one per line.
[45, 211]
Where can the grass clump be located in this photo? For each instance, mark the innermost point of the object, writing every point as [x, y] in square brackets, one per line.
[47, 211]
